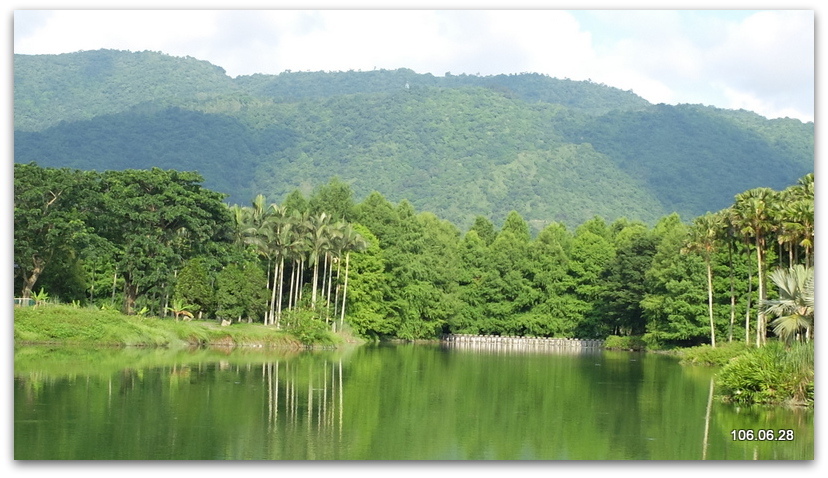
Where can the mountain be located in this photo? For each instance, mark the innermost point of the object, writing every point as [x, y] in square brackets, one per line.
[457, 145]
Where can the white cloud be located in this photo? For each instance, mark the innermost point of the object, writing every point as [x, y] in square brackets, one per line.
[74, 30]
[552, 41]
[484, 42]
[768, 60]
[763, 61]
[344, 40]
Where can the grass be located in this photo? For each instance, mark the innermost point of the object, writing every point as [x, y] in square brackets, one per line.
[69, 325]
[714, 356]
[775, 374]
[615, 342]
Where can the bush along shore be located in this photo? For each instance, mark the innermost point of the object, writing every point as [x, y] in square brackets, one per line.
[69, 325]
[777, 373]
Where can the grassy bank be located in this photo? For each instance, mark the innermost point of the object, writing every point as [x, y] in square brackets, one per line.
[775, 374]
[64, 324]
[718, 356]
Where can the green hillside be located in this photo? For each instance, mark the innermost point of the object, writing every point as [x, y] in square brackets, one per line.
[49, 89]
[529, 87]
[692, 158]
[458, 145]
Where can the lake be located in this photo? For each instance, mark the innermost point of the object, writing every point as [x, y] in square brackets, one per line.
[385, 402]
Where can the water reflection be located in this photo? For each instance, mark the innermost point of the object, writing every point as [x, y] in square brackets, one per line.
[406, 402]
[318, 389]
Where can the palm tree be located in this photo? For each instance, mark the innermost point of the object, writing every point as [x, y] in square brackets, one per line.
[794, 310]
[797, 218]
[318, 244]
[297, 251]
[704, 240]
[286, 245]
[335, 234]
[351, 241]
[260, 233]
[275, 234]
[753, 213]
[728, 233]
[258, 211]
[240, 223]
[253, 226]
[800, 223]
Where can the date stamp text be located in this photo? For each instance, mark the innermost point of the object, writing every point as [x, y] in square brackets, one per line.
[762, 435]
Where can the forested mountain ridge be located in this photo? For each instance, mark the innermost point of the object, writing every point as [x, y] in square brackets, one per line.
[530, 87]
[49, 89]
[68, 87]
[459, 145]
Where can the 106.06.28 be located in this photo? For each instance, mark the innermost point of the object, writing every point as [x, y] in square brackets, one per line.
[762, 435]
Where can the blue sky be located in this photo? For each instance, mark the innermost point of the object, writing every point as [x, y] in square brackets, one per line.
[759, 60]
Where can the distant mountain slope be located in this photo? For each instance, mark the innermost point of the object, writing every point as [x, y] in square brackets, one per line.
[531, 87]
[459, 146]
[693, 158]
[49, 89]
[220, 147]
[455, 152]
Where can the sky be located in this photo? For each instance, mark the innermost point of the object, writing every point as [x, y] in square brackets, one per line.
[758, 60]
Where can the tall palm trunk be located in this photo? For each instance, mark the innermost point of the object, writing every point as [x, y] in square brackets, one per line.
[328, 293]
[336, 290]
[732, 289]
[323, 285]
[791, 257]
[315, 282]
[323, 281]
[344, 291]
[268, 274]
[299, 285]
[749, 294]
[292, 285]
[710, 303]
[281, 284]
[295, 291]
[272, 314]
[760, 315]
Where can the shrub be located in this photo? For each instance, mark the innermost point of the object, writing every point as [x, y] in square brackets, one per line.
[627, 342]
[306, 327]
[717, 356]
[772, 374]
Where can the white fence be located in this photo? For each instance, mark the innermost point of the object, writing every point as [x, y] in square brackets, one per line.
[21, 302]
[508, 344]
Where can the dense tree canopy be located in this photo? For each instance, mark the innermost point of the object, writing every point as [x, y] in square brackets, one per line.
[387, 270]
[50, 208]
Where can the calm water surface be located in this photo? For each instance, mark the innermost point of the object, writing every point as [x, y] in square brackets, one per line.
[407, 402]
